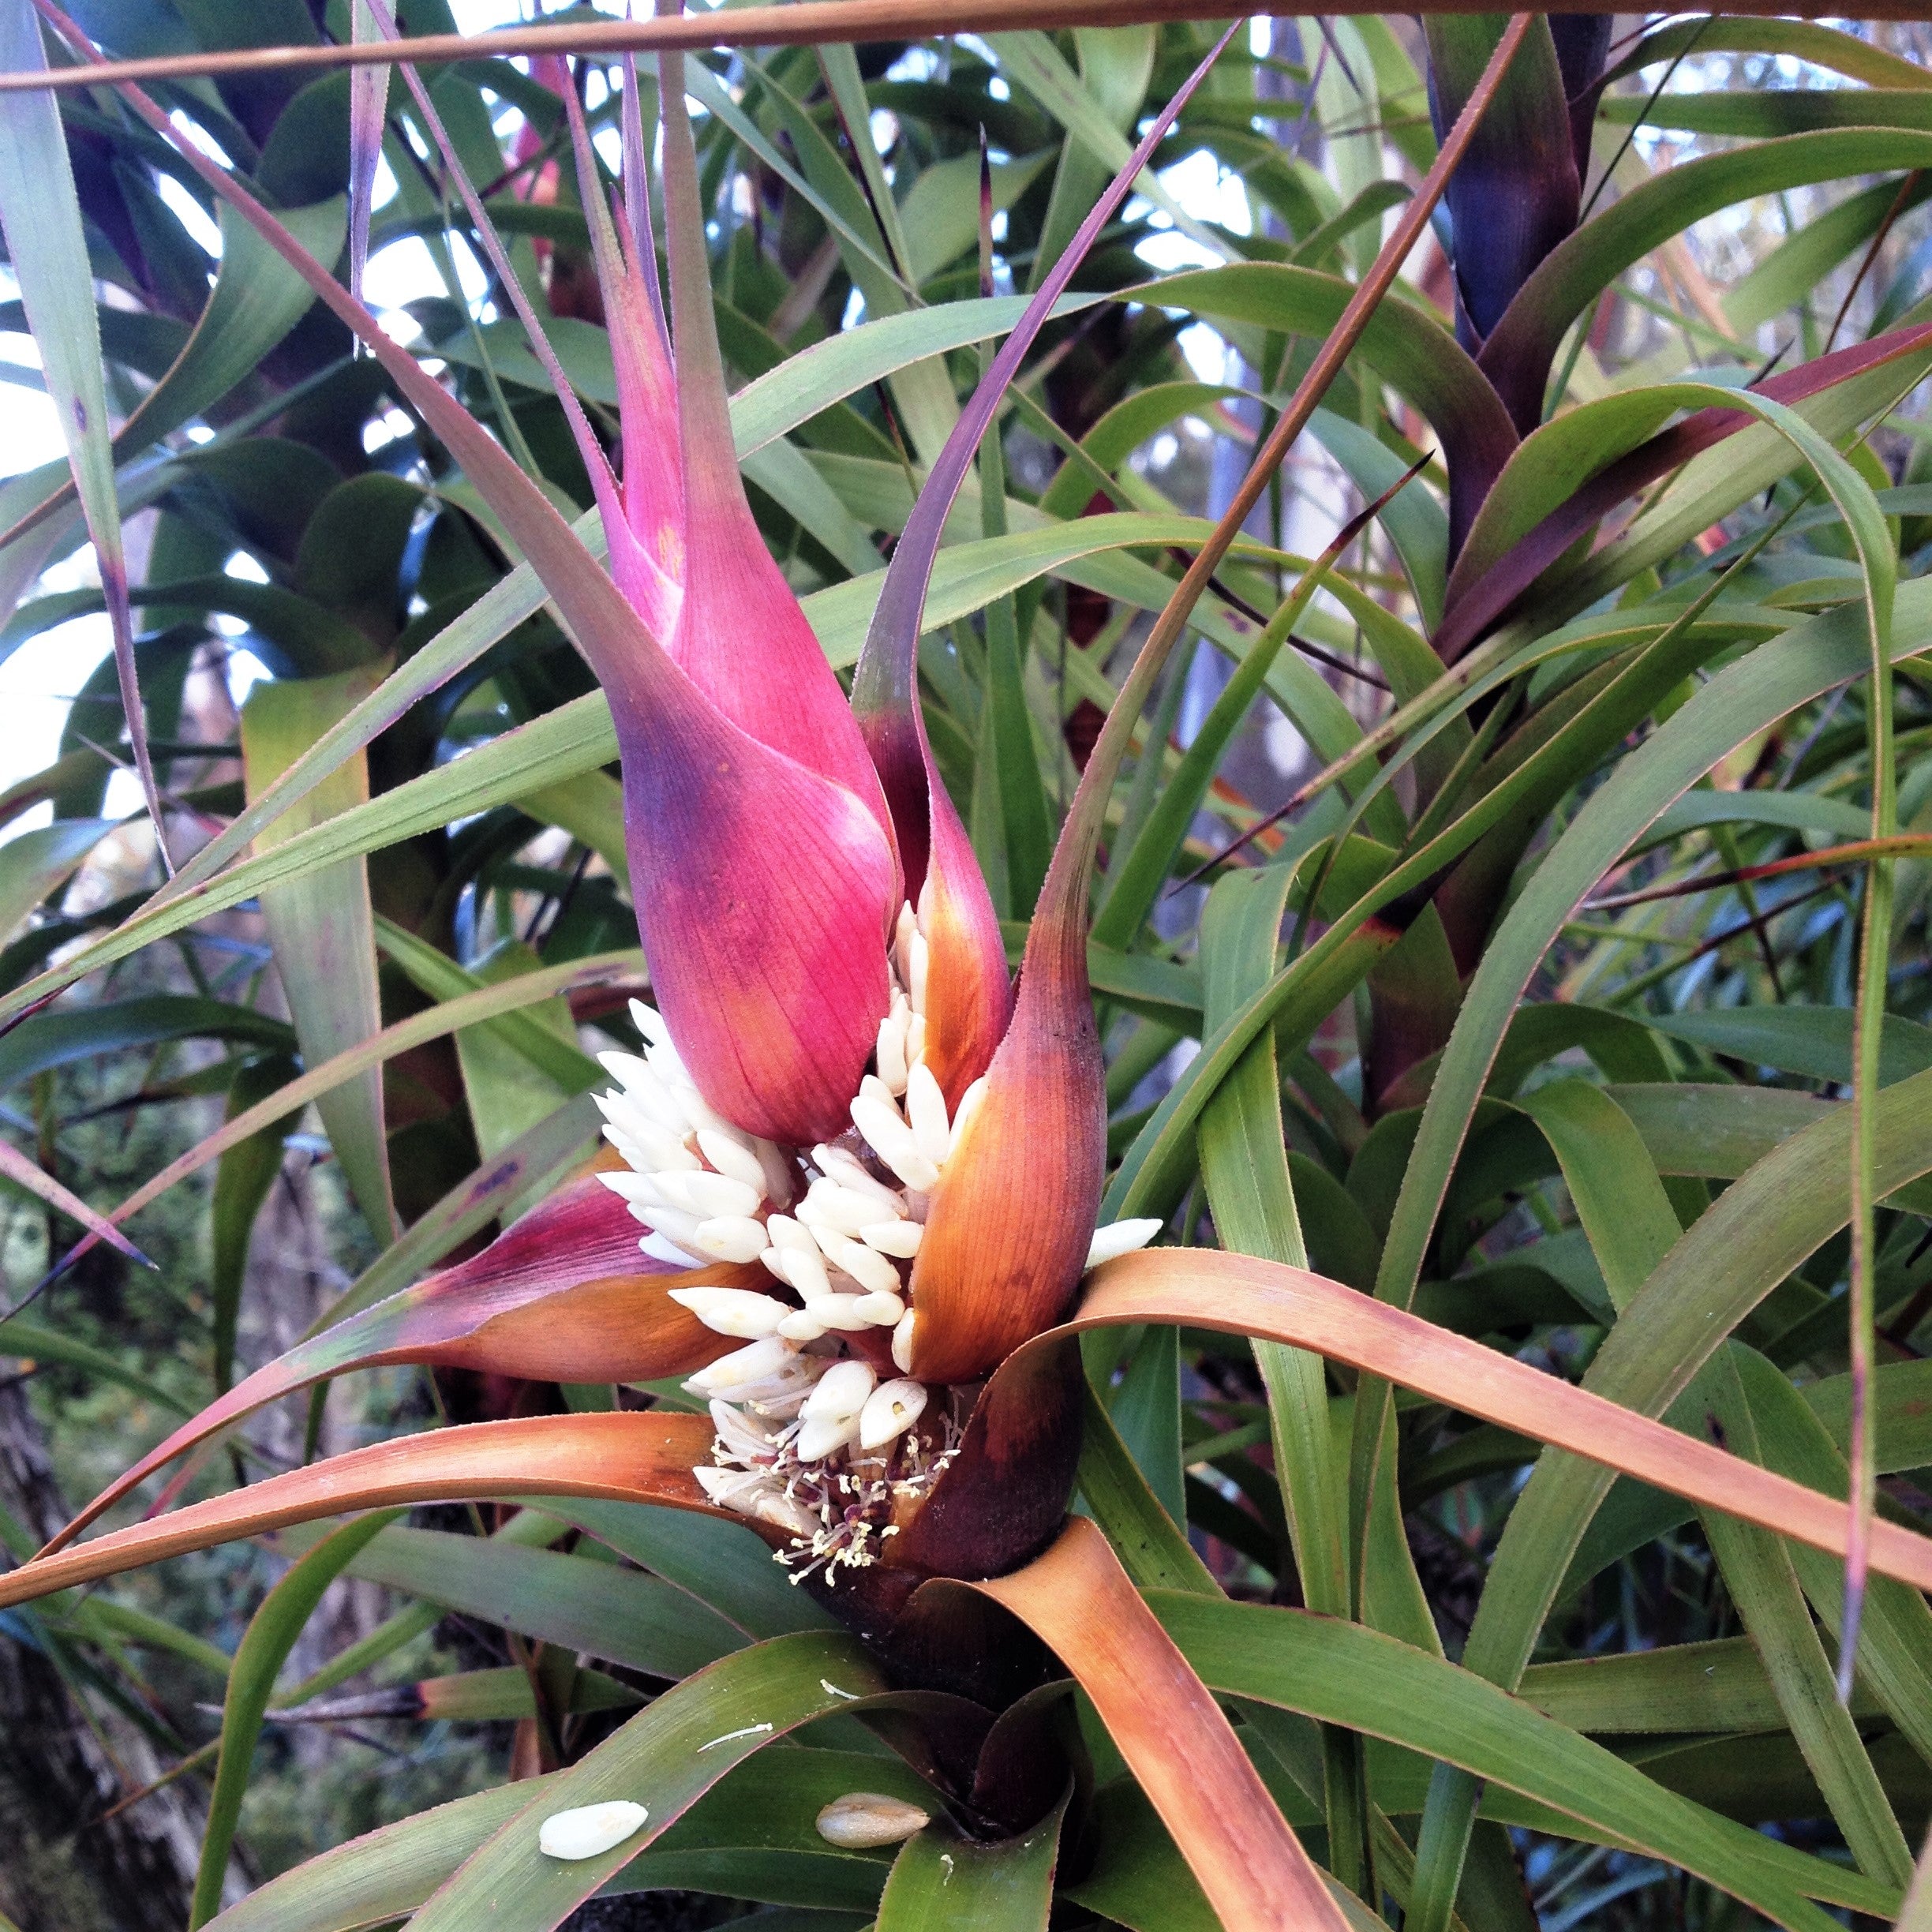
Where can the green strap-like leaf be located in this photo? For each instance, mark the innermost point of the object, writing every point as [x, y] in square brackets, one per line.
[943, 1882]
[35, 864]
[1037, 65]
[321, 924]
[1895, 1647]
[1116, 64]
[47, 249]
[1244, 1164]
[595, 1607]
[718, 1562]
[242, 1180]
[271, 1635]
[1524, 1577]
[665, 1758]
[1345, 1674]
[1762, 1579]
[1572, 274]
[22, 1339]
[1612, 1182]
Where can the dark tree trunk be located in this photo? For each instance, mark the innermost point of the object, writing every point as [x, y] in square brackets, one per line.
[65, 1867]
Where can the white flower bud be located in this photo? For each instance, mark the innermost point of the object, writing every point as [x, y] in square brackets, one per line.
[861, 1820]
[590, 1830]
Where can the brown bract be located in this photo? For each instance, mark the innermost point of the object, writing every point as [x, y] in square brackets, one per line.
[1013, 1215]
[1000, 1501]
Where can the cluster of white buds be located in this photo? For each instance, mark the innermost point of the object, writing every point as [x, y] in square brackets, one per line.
[838, 1224]
[700, 1185]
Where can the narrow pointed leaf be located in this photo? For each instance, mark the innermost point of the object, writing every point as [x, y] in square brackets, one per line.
[35, 864]
[40, 211]
[1762, 1577]
[631, 1458]
[29, 1174]
[368, 100]
[1238, 1294]
[579, 1602]
[1895, 1649]
[272, 1634]
[1244, 1168]
[322, 927]
[1173, 1734]
[563, 1296]
[243, 1177]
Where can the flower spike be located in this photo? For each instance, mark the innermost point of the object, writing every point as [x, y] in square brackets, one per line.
[724, 735]
[761, 857]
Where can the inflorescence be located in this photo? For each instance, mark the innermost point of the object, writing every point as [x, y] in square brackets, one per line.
[809, 1438]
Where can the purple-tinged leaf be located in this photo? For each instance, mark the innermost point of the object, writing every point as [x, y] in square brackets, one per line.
[24, 1173]
[368, 101]
[1516, 194]
[1495, 569]
[563, 1295]
[321, 926]
[630, 1457]
[1582, 47]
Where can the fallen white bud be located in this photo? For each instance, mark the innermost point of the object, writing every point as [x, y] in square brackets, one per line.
[591, 1830]
[861, 1819]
